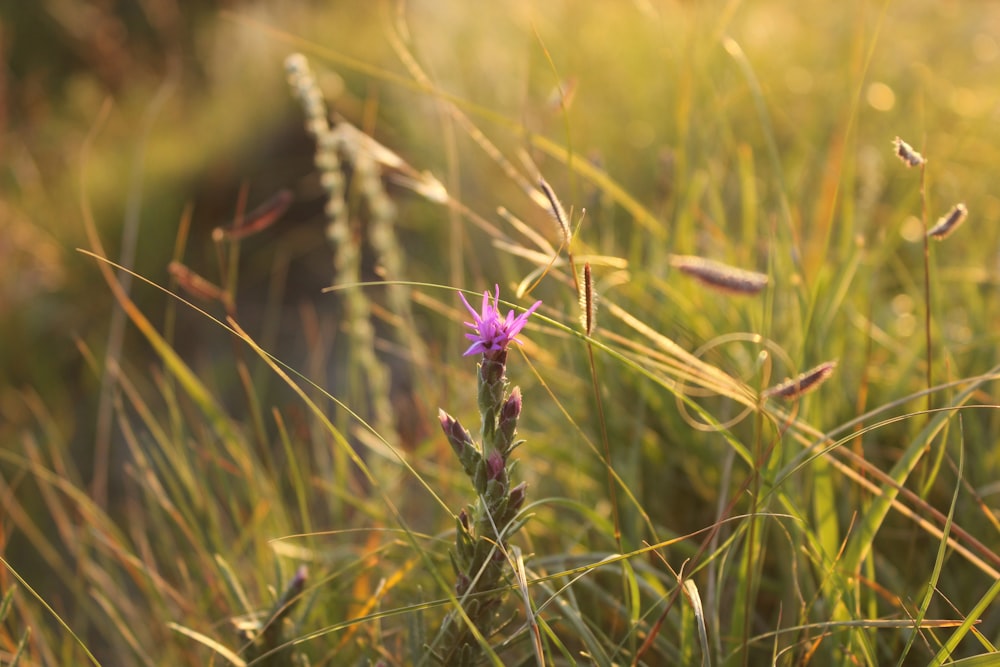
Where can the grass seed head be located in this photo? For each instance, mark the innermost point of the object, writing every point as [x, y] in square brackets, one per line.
[801, 384]
[195, 285]
[949, 223]
[720, 276]
[907, 154]
[588, 301]
[556, 210]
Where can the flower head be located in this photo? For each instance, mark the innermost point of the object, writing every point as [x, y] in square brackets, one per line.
[493, 333]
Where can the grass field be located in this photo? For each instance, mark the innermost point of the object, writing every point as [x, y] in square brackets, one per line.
[757, 400]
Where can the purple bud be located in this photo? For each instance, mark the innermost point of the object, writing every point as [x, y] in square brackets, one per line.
[507, 424]
[461, 442]
[494, 466]
[457, 435]
[512, 407]
[517, 496]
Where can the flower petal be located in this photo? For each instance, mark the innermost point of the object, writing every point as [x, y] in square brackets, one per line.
[492, 331]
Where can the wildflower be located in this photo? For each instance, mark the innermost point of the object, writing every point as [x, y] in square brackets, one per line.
[493, 333]
[484, 527]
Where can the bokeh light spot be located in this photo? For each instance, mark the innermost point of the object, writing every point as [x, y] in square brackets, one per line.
[880, 96]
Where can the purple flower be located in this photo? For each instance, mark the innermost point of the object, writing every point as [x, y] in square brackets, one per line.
[493, 333]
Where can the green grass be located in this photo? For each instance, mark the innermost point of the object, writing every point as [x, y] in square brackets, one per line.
[675, 514]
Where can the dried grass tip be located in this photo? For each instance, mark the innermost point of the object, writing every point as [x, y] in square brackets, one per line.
[906, 153]
[794, 387]
[720, 276]
[424, 184]
[949, 223]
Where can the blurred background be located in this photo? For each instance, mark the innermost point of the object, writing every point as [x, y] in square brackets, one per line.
[200, 110]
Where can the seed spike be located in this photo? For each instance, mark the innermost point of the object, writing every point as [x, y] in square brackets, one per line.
[801, 384]
[588, 301]
[720, 276]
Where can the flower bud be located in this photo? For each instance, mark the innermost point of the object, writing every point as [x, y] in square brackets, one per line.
[494, 466]
[458, 437]
[509, 414]
[517, 496]
[461, 442]
[512, 407]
